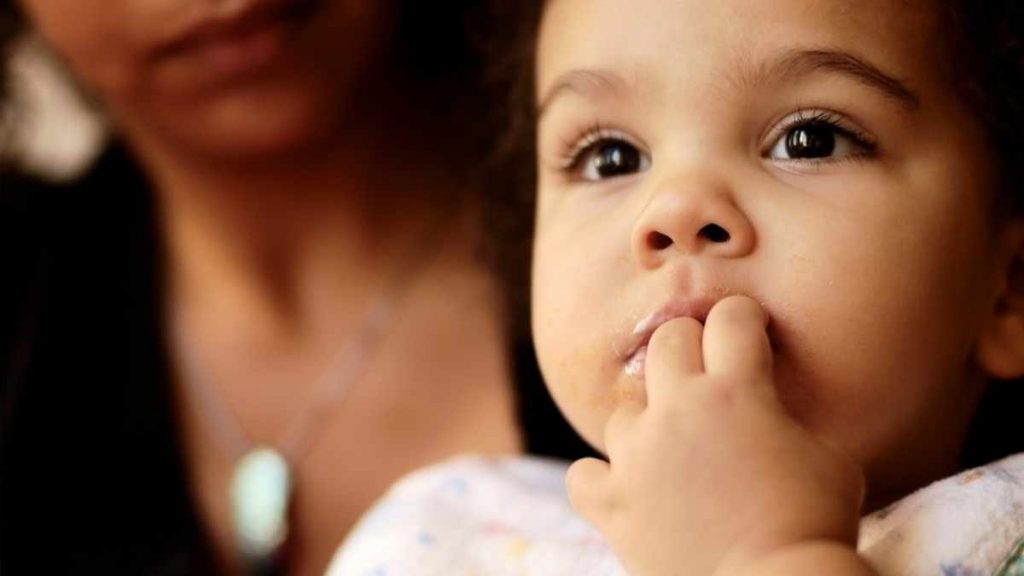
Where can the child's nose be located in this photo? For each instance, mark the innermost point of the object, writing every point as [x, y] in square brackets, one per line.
[691, 215]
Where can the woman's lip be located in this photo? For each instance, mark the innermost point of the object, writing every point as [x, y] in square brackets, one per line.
[242, 51]
[229, 35]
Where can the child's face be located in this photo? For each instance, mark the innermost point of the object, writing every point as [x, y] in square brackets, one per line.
[807, 153]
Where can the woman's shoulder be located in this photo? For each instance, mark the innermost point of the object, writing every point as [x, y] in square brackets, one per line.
[476, 515]
[971, 523]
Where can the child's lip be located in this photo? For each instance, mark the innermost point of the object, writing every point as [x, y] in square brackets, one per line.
[636, 344]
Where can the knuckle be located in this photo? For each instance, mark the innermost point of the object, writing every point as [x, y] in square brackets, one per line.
[574, 476]
[583, 487]
[577, 480]
[721, 392]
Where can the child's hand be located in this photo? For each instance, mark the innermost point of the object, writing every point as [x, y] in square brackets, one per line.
[713, 476]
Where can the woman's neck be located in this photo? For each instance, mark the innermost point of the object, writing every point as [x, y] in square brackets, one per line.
[286, 241]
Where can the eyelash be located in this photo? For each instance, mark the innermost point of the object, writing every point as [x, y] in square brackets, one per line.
[578, 148]
[833, 121]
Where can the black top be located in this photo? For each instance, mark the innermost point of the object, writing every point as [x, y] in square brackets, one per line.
[92, 479]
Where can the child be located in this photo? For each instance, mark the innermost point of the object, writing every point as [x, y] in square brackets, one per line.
[776, 266]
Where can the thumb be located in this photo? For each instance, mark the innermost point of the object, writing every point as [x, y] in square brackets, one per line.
[586, 481]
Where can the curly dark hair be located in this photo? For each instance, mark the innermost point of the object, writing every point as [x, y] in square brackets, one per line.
[987, 46]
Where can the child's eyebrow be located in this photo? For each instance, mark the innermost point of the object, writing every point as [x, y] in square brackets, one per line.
[790, 65]
[801, 62]
[585, 82]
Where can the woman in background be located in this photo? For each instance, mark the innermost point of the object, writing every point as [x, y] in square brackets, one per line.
[276, 275]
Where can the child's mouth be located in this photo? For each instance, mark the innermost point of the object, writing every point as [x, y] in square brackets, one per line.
[636, 349]
[635, 359]
[636, 362]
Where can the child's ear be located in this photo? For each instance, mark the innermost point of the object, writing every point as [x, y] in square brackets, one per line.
[1000, 347]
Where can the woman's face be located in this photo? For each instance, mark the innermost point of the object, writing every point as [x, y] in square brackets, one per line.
[222, 77]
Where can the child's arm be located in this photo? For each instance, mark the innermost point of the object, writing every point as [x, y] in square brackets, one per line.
[712, 476]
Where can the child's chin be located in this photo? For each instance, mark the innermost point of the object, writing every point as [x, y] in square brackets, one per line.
[630, 390]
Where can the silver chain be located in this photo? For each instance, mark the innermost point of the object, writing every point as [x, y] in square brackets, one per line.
[346, 367]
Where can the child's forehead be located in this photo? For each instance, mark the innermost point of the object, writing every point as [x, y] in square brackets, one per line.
[736, 39]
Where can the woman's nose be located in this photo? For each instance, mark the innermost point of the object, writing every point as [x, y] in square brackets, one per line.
[694, 215]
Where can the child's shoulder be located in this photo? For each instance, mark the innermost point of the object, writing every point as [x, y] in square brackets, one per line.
[971, 523]
[476, 515]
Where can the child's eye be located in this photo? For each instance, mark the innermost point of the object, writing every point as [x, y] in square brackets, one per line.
[821, 137]
[611, 158]
[603, 155]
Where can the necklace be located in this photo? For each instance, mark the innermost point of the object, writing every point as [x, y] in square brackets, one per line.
[262, 483]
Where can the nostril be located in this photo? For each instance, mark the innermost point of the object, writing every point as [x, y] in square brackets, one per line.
[714, 233]
[658, 241]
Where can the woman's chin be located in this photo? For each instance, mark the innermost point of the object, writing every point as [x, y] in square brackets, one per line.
[249, 132]
[261, 143]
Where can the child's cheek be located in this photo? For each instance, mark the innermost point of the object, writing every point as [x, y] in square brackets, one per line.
[578, 369]
[577, 359]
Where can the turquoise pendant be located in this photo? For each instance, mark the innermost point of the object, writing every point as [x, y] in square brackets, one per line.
[261, 490]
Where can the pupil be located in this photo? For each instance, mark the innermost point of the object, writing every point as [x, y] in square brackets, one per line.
[810, 142]
[615, 159]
